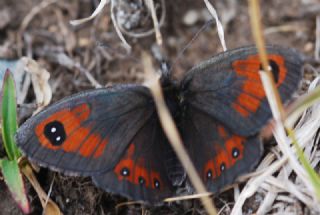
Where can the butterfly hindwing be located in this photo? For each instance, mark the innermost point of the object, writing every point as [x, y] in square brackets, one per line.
[218, 154]
[87, 132]
[141, 172]
[228, 86]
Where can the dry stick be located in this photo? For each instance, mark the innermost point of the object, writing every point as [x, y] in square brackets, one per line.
[151, 31]
[272, 93]
[165, 117]
[115, 24]
[219, 25]
[98, 10]
[252, 185]
[273, 98]
[267, 80]
[171, 132]
[187, 197]
[49, 207]
[150, 5]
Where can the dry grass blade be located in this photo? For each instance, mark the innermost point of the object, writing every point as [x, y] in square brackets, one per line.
[274, 98]
[151, 31]
[115, 24]
[219, 25]
[172, 133]
[49, 207]
[253, 185]
[187, 197]
[40, 78]
[302, 191]
[150, 5]
[93, 15]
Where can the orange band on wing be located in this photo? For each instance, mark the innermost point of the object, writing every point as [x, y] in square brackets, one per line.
[252, 91]
[135, 172]
[225, 157]
[78, 138]
[235, 143]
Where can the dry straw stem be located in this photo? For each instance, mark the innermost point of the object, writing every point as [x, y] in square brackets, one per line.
[115, 24]
[40, 81]
[270, 89]
[187, 197]
[93, 15]
[98, 10]
[213, 12]
[172, 133]
[270, 186]
[274, 98]
[150, 5]
[49, 207]
[305, 132]
[151, 31]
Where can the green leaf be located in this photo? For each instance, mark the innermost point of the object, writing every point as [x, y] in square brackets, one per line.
[13, 179]
[313, 176]
[9, 117]
[300, 105]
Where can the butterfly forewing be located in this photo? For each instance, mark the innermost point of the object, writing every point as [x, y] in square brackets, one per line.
[87, 132]
[225, 107]
[228, 86]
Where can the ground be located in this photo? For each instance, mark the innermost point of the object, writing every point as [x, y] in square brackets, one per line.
[96, 46]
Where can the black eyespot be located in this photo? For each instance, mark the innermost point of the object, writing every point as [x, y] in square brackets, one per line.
[209, 174]
[55, 133]
[156, 183]
[125, 172]
[222, 167]
[142, 181]
[235, 152]
[274, 69]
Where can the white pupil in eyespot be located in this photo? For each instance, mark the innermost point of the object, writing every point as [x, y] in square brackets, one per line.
[53, 129]
[235, 153]
[58, 138]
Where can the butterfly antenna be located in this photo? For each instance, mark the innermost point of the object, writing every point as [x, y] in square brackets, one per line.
[165, 66]
[204, 26]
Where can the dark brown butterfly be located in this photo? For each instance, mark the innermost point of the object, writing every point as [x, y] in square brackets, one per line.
[114, 134]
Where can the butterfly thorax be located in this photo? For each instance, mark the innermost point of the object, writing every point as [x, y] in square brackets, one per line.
[171, 95]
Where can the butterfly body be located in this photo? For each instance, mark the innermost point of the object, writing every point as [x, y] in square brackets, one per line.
[114, 134]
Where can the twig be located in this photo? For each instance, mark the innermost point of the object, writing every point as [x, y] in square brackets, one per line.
[93, 15]
[172, 133]
[219, 25]
[151, 31]
[115, 24]
[150, 5]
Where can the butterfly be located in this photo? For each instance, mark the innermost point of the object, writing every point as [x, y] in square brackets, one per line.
[114, 134]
